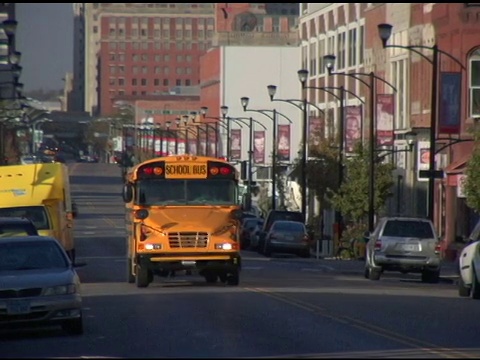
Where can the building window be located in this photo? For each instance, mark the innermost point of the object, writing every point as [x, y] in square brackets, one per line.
[143, 32]
[134, 32]
[313, 59]
[158, 45]
[121, 81]
[474, 83]
[399, 80]
[134, 92]
[121, 57]
[156, 82]
[145, 45]
[113, 70]
[165, 82]
[135, 69]
[111, 57]
[352, 45]
[178, 82]
[158, 70]
[188, 82]
[321, 54]
[121, 92]
[179, 45]
[157, 33]
[144, 82]
[121, 45]
[134, 82]
[166, 70]
[179, 58]
[112, 45]
[121, 69]
[111, 82]
[136, 45]
[144, 57]
[276, 24]
[361, 46]
[135, 57]
[188, 58]
[341, 50]
[144, 70]
[179, 34]
[189, 71]
[179, 71]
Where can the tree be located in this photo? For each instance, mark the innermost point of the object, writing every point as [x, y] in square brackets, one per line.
[472, 181]
[351, 199]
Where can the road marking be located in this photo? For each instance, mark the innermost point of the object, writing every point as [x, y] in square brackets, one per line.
[90, 227]
[362, 325]
[311, 270]
[252, 267]
[88, 232]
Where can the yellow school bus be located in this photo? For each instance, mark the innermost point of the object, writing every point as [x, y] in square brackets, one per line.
[40, 192]
[182, 213]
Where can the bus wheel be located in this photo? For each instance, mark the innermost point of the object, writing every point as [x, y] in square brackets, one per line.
[233, 279]
[142, 277]
[130, 276]
[211, 278]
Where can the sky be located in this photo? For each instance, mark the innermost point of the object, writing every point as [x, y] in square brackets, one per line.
[45, 39]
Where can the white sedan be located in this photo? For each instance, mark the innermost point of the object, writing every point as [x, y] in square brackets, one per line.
[469, 267]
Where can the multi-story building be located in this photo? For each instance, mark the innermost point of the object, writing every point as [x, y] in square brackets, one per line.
[141, 49]
[454, 29]
[146, 49]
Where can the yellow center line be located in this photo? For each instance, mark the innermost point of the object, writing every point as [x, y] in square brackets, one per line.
[377, 330]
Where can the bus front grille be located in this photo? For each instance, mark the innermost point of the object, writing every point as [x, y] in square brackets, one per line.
[182, 240]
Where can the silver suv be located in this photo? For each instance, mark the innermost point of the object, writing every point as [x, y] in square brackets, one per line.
[405, 244]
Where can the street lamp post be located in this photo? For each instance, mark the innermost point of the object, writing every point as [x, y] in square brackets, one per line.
[371, 84]
[223, 119]
[385, 31]
[302, 76]
[244, 101]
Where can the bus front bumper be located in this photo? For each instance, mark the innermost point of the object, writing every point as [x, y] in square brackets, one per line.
[198, 261]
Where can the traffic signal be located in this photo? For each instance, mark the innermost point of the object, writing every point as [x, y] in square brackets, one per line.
[243, 170]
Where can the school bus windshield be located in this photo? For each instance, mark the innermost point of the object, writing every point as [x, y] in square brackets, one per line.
[161, 192]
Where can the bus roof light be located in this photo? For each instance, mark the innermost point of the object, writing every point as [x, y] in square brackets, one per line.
[225, 171]
[148, 171]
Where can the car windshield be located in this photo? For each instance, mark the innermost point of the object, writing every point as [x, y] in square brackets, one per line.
[288, 226]
[31, 255]
[8, 230]
[187, 192]
[408, 228]
[37, 214]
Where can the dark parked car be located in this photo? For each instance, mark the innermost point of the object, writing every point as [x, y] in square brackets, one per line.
[248, 225]
[16, 226]
[277, 215]
[287, 237]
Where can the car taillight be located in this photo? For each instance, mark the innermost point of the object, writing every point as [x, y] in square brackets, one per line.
[306, 238]
[378, 244]
[438, 249]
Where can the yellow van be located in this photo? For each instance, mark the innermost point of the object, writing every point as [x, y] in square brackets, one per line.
[40, 192]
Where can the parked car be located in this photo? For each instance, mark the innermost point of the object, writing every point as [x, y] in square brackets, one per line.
[287, 237]
[17, 226]
[38, 284]
[408, 245]
[276, 215]
[248, 224]
[254, 234]
[469, 266]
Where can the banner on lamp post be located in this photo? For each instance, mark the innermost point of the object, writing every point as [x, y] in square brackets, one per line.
[316, 131]
[235, 144]
[450, 102]
[385, 119]
[259, 147]
[353, 126]
[283, 146]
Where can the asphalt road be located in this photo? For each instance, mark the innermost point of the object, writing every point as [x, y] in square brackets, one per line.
[284, 307]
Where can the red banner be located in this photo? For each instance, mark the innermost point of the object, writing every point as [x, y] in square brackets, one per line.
[259, 147]
[353, 126]
[316, 131]
[212, 139]
[283, 146]
[236, 144]
[385, 121]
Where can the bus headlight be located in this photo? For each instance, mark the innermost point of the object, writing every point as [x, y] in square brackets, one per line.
[153, 246]
[226, 246]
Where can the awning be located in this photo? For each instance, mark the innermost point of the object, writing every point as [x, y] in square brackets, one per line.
[458, 166]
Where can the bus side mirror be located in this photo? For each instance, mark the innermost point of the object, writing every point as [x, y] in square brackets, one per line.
[237, 214]
[127, 193]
